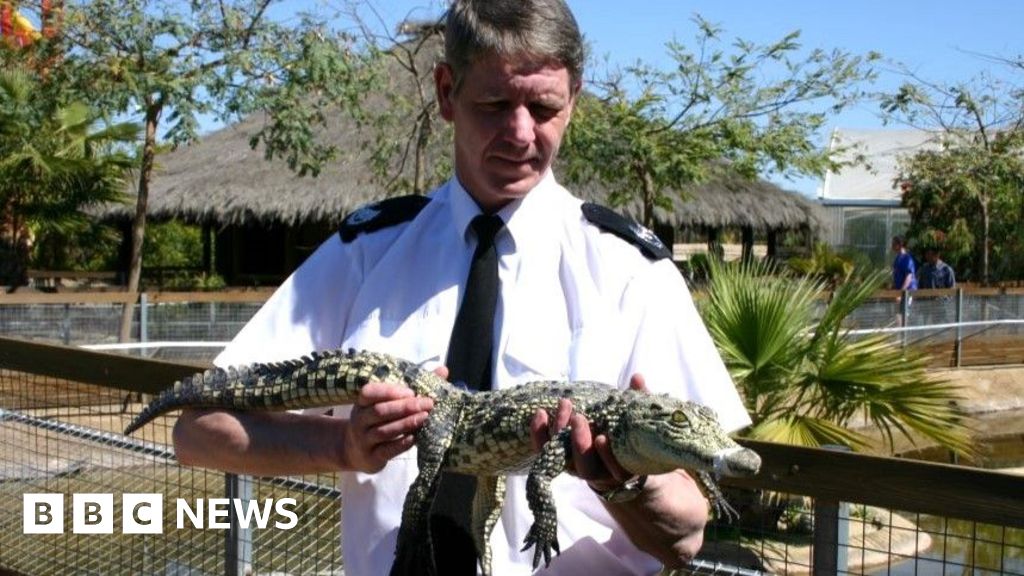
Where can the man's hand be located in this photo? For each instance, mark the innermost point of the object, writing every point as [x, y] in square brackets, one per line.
[382, 425]
[592, 458]
[666, 521]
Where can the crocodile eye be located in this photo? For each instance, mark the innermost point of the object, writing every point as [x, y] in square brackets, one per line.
[679, 417]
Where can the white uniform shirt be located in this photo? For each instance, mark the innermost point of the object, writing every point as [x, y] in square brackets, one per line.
[576, 303]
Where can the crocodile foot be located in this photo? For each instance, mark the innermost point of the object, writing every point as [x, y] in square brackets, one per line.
[544, 536]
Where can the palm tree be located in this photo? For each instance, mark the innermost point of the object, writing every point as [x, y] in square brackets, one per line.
[805, 379]
[53, 163]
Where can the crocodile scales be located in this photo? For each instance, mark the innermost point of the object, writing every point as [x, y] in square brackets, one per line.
[485, 434]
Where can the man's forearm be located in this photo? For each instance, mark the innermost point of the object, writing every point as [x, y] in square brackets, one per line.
[264, 444]
[667, 518]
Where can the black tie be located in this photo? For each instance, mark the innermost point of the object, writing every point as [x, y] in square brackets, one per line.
[470, 353]
[470, 349]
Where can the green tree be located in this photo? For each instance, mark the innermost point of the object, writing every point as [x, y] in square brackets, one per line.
[409, 143]
[55, 160]
[968, 192]
[647, 133]
[805, 379]
[168, 63]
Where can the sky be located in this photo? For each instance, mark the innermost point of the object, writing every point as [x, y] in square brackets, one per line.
[939, 40]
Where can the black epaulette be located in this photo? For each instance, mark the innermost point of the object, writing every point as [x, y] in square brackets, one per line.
[379, 215]
[628, 229]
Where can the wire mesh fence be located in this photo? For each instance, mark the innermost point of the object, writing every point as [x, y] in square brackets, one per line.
[93, 319]
[871, 541]
[62, 437]
[970, 327]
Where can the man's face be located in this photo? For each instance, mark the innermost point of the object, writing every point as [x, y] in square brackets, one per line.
[509, 116]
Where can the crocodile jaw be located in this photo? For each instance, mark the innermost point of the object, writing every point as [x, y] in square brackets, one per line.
[736, 462]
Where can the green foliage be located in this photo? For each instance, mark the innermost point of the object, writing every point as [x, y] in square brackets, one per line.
[87, 245]
[966, 195]
[194, 282]
[169, 62]
[56, 159]
[646, 132]
[174, 244]
[968, 200]
[804, 379]
[408, 141]
[174, 61]
[830, 266]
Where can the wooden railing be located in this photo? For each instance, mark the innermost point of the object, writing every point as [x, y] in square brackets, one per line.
[914, 486]
[829, 477]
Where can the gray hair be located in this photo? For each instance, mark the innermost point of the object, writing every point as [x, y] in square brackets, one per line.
[542, 29]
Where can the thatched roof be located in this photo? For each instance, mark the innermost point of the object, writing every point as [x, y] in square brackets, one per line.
[221, 179]
[758, 204]
[727, 200]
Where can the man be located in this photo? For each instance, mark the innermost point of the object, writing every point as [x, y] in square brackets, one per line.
[903, 269]
[935, 273]
[575, 302]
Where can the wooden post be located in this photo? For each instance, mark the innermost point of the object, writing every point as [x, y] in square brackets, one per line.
[747, 250]
[831, 532]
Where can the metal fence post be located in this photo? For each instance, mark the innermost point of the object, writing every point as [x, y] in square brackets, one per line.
[143, 317]
[959, 347]
[211, 320]
[65, 325]
[831, 544]
[238, 540]
[904, 314]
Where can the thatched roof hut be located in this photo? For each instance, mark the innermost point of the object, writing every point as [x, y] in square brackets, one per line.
[222, 180]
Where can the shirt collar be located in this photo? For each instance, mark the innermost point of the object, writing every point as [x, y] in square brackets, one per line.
[463, 209]
[525, 219]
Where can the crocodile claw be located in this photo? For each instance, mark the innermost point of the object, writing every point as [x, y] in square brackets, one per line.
[545, 540]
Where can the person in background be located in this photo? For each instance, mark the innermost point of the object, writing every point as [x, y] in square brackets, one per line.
[935, 273]
[904, 273]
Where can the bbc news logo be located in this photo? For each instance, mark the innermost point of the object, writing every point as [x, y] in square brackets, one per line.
[143, 513]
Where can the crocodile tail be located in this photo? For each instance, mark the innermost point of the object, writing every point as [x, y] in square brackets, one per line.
[275, 386]
[210, 389]
[325, 378]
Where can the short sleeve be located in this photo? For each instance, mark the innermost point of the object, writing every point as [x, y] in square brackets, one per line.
[307, 312]
[672, 348]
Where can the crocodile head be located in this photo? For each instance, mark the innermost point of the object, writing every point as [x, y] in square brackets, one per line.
[657, 433]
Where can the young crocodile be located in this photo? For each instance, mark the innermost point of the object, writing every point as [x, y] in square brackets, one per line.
[485, 434]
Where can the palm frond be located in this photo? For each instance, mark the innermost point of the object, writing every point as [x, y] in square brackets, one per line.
[803, 430]
[805, 377]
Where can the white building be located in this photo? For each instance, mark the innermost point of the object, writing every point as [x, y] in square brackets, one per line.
[863, 200]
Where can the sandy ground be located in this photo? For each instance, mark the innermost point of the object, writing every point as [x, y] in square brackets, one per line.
[989, 389]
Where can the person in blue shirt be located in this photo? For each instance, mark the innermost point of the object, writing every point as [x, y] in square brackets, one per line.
[904, 271]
